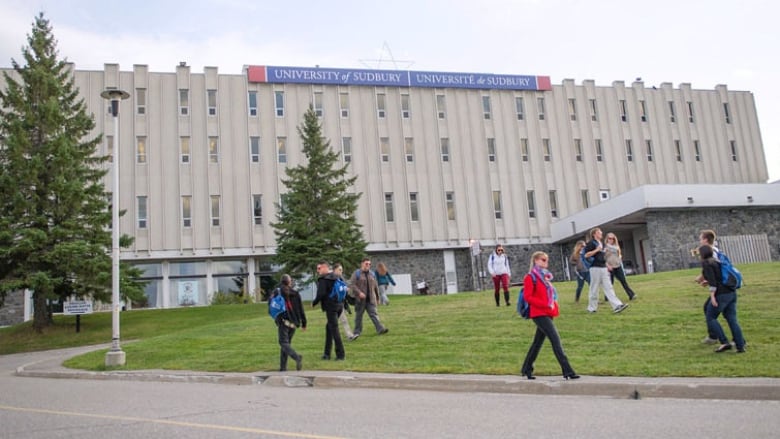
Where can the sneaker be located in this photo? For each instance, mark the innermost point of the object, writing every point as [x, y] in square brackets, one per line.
[384, 331]
[299, 363]
[507, 304]
[723, 348]
[708, 340]
[620, 308]
[353, 337]
[632, 297]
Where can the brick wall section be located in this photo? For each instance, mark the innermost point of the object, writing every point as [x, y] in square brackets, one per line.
[675, 233]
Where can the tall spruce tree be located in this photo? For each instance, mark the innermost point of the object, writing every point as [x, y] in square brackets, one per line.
[54, 210]
[316, 219]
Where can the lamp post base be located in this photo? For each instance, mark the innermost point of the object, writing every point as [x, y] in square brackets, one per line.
[115, 358]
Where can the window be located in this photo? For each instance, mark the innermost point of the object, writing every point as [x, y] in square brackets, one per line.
[540, 107]
[733, 145]
[384, 148]
[497, 204]
[344, 104]
[672, 115]
[547, 150]
[414, 211]
[445, 149]
[726, 112]
[213, 150]
[253, 103]
[524, 148]
[380, 105]
[449, 198]
[389, 207]
[184, 149]
[623, 111]
[215, 210]
[678, 150]
[441, 106]
[141, 210]
[486, 107]
[604, 194]
[599, 151]
[212, 102]
[594, 115]
[629, 151]
[279, 103]
[584, 198]
[140, 150]
[257, 208]
[283, 202]
[318, 103]
[529, 195]
[491, 148]
[184, 102]
[578, 149]
[346, 149]
[409, 149]
[110, 148]
[572, 109]
[553, 204]
[254, 149]
[690, 112]
[281, 149]
[140, 101]
[519, 108]
[643, 109]
[405, 110]
[186, 211]
[697, 150]
[649, 145]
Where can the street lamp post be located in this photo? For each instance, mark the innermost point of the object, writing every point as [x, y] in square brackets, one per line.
[115, 356]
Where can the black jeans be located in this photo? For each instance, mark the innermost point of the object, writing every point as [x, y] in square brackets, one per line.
[285, 343]
[332, 334]
[621, 276]
[546, 329]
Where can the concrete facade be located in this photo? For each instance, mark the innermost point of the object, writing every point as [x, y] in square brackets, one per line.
[202, 156]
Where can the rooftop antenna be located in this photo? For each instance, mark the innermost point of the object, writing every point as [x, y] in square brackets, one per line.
[386, 57]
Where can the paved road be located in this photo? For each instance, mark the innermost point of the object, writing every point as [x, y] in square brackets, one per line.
[331, 405]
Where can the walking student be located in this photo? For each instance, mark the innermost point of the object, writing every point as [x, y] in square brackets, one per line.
[723, 300]
[599, 275]
[614, 258]
[498, 267]
[542, 298]
[332, 308]
[338, 270]
[364, 288]
[385, 279]
[707, 237]
[287, 322]
[583, 275]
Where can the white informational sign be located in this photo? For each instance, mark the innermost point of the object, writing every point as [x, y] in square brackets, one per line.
[188, 293]
[76, 307]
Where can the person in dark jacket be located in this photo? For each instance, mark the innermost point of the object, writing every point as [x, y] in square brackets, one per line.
[542, 298]
[287, 322]
[723, 300]
[365, 289]
[331, 308]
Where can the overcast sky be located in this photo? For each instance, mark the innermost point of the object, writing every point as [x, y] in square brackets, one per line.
[701, 42]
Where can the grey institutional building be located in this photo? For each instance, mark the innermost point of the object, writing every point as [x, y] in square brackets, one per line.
[448, 164]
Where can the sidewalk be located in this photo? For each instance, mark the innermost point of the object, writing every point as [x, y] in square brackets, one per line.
[615, 387]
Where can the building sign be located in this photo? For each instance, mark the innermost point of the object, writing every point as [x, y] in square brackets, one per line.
[395, 78]
[77, 307]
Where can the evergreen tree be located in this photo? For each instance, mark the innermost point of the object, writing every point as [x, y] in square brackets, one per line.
[54, 210]
[316, 219]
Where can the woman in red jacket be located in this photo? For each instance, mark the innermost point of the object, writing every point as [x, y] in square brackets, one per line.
[543, 300]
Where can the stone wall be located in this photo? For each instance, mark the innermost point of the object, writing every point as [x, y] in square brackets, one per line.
[12, 311]
[675, 233]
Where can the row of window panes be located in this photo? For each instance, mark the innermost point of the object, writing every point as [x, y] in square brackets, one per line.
[441, 108]
[142, 210]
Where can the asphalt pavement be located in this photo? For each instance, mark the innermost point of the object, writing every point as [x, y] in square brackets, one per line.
[49, 365]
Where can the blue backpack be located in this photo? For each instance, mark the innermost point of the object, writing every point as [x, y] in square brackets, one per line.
[586, 262]
[727, 270]
[276, 304]
[523, 308]
[339, 290]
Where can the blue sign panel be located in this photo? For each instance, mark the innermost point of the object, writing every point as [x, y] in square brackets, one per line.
[472, 80]
[303, 75]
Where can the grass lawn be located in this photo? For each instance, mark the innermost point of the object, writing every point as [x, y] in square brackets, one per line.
[659, 335]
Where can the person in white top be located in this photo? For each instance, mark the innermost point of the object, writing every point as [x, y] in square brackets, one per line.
[498, 267]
